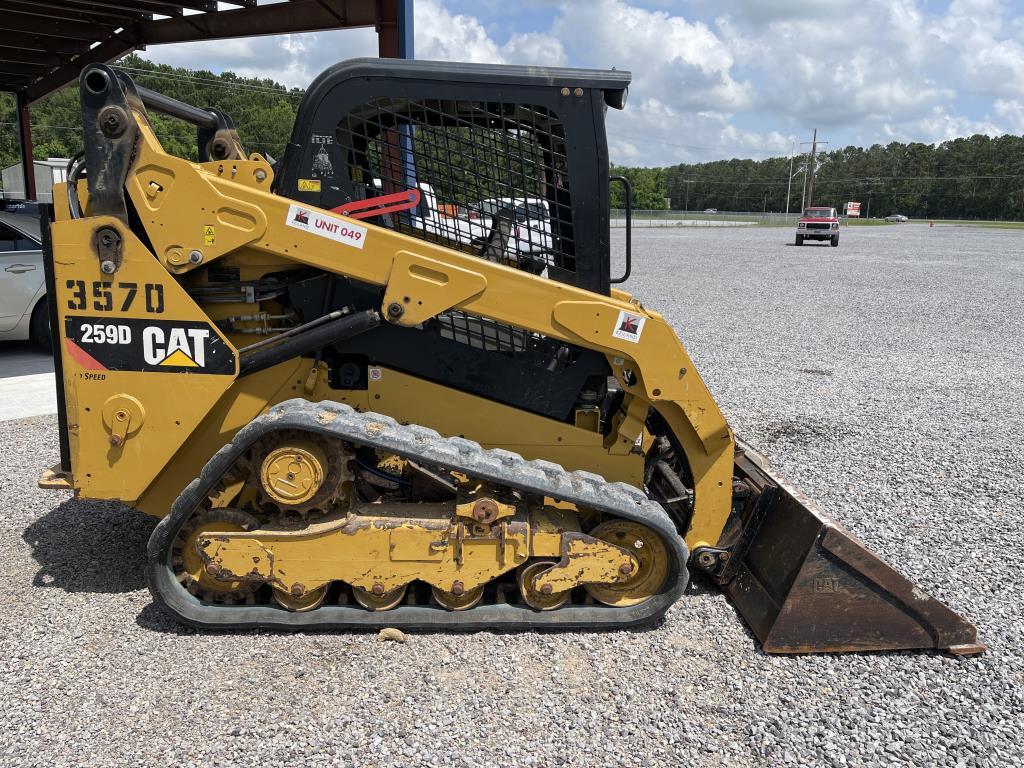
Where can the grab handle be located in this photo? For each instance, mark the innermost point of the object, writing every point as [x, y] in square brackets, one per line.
[629, 227]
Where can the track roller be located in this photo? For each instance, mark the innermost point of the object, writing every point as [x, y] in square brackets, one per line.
[458, 600]
[384, 601]
[533, 597]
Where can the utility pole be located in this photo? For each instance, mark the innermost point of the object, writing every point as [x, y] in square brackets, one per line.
[809, 178]
[789, 184]
[812, 158]
[803, 195]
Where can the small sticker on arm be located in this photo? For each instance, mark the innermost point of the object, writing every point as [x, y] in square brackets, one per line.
[629, 326]
[329, 227]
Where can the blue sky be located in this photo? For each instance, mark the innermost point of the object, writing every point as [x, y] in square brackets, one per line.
[719, 78]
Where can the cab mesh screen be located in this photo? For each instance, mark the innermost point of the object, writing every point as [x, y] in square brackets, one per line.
[492, 177]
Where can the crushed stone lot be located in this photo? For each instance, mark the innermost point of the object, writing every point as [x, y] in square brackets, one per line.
[882, 377]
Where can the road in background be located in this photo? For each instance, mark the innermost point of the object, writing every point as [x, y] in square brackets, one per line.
[26, 381]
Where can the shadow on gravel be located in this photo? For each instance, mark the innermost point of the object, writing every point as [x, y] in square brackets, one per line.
[803, 431]
[155, 620]
[87, 546]
[700, 586]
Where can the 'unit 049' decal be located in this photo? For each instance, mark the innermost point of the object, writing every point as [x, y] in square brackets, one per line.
[102, 343]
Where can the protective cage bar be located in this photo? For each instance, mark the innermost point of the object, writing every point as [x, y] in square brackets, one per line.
[493, 176]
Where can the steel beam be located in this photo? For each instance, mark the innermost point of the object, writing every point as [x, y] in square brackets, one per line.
[68, 12]
[61, 40]
[25, 134]
[14, 83]
[53, 45]
[39, 58]
[48, 27]
[276, 19]
[395, 29]
[387, 29]
[145, 7]
[18, 68]
[107, 51]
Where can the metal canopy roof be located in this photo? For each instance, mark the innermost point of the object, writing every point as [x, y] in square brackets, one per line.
[44, 44]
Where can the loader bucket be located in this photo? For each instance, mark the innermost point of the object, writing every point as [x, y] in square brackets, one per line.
[806, 585]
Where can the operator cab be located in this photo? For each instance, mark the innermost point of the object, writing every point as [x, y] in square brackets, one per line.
[506, 163]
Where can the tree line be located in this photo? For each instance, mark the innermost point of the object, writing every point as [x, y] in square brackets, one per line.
[263, 112]
[977, 177]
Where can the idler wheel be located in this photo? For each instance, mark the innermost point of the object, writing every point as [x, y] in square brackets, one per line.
[650, 552]
[190, 568]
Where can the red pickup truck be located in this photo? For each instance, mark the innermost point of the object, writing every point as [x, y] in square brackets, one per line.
[818, 223]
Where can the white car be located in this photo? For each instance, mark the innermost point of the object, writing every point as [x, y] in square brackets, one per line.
[897, 218]
[532, 232]
[23, 312]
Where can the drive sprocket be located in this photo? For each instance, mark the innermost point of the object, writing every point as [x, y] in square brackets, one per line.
[300, 473]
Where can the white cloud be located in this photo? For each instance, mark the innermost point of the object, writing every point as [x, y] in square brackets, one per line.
[1011, 113]
[939, 125]
[292, 60]
[987, 58]
[745, 81]
[444, 36]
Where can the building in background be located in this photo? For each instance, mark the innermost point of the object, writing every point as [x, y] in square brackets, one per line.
[47, 172]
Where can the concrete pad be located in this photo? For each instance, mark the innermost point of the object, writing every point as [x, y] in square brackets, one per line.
[27, 385]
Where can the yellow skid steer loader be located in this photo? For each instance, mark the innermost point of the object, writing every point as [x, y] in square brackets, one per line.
[389, 380]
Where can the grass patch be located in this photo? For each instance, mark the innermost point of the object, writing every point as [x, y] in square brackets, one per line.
[970, 223]
[868, 222]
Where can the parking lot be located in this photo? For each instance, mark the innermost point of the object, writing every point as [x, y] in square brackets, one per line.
[883, 377]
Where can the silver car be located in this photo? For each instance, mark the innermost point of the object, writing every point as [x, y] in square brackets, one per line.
[897, 218]
[23, 313]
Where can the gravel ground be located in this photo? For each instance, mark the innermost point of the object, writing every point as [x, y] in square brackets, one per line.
[883, 377]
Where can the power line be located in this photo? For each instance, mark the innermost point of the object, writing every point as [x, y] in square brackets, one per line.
[857, 180]
[293, 93]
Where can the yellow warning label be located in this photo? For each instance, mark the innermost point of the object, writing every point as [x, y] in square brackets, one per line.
[209, 235]
[309, 185]
[179, 359]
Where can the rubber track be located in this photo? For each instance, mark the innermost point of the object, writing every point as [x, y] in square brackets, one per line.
[426, 445]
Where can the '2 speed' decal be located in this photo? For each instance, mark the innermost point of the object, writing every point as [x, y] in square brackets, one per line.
[103, 343]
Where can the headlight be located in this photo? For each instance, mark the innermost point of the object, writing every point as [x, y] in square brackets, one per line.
[801, 225]
[835, 226]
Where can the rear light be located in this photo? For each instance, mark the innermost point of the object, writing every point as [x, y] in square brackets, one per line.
[517, 231]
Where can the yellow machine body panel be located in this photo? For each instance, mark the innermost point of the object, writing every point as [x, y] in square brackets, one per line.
[423, 279]
[126, 425]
